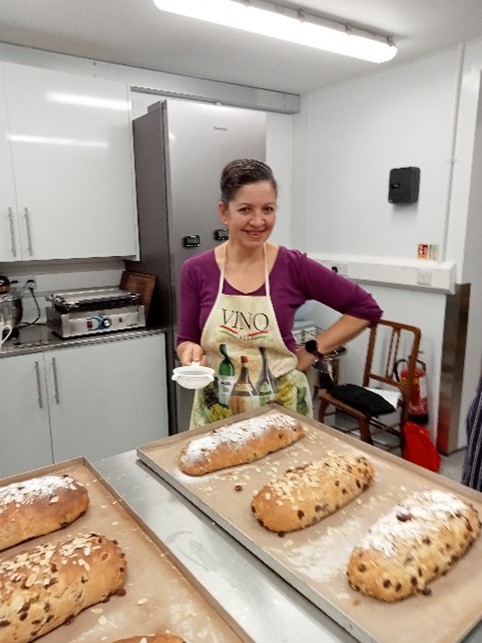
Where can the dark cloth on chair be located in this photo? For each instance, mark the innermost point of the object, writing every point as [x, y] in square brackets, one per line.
[362, 400]
[472, 469]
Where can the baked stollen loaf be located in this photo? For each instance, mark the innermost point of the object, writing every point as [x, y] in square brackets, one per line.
[153, 638]
[417, 541]
[50, 584]
[239, 443]
[306, 494]
[39, 506]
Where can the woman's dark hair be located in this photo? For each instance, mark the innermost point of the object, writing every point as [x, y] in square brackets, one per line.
[241, 172]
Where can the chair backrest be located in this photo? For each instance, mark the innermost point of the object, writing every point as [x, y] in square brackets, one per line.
[390, 342]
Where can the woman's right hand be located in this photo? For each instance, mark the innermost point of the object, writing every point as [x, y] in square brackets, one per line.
[189, 352]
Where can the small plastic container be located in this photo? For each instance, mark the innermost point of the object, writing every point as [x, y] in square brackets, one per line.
[193, 376]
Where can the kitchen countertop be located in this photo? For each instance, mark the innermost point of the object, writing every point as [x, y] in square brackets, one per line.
[38, 337]
[266, 607]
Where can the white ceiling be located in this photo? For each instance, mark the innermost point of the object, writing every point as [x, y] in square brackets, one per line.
[135, 33]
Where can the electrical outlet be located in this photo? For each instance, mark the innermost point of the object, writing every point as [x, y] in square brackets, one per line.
[31, 284]
[424, 277]
[340, 268]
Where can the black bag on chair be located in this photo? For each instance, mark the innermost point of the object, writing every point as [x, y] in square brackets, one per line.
[362, 400]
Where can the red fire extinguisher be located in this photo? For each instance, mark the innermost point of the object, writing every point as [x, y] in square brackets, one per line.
[418, 406]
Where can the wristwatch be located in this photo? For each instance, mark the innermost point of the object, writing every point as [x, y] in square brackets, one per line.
[311, 346]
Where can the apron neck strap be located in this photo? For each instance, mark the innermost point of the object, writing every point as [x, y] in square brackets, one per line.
[225, 258]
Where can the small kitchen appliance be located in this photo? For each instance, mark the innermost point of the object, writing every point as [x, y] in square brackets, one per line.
[94, 311]
[11, 308]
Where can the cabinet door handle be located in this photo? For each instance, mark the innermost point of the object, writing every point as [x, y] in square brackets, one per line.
[39, 384]
[29, 232]
[56, 382]
[12, 232]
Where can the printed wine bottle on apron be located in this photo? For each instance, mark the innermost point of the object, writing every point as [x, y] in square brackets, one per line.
[265, 386]
[243, 396]
[226, 377]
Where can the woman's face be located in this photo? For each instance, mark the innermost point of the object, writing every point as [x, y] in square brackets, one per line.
[251, 214]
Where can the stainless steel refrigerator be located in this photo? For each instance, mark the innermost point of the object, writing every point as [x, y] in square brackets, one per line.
[180, 149]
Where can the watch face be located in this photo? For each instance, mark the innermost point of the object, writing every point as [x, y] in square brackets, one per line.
[311, 346]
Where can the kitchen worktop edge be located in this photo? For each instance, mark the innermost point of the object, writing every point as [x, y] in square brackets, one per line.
[39, 338]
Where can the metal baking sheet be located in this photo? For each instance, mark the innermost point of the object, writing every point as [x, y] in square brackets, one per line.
[314, 560]
[161, 595]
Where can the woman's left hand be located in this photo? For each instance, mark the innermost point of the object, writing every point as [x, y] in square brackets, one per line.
[305, 359]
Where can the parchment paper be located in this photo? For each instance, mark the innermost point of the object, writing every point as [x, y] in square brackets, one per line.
[159, 596]
[314, 559]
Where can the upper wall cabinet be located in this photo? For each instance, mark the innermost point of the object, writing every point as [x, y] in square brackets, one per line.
[9, 230]
[67, 167]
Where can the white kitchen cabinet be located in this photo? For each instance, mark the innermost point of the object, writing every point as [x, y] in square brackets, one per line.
[9, 229]
[69, 137]
[98, 399]
[107, 398]
[25, 440]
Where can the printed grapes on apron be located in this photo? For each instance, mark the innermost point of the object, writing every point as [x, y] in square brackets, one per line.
[243, 344]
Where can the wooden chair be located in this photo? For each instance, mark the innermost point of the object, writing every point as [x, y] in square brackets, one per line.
[389, 342]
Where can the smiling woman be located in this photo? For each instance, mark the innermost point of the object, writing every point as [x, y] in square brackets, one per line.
[239, 299]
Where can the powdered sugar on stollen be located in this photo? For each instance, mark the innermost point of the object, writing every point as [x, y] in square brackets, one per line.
[28, 491]
[411, 520]
[236, 435]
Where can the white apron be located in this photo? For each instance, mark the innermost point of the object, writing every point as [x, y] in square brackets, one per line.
[243, 344]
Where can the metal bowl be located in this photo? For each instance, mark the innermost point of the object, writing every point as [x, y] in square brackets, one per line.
[11, 310]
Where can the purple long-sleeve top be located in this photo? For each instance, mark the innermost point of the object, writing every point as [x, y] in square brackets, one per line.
[294, 279]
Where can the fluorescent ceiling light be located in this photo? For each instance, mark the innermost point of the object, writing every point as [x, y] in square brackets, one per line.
[266, 19]
[88, 101]
[50, 140]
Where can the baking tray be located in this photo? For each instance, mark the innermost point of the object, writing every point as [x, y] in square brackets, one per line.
[314, 560]
[161, 594]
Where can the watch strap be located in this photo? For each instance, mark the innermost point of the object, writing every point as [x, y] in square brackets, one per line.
[311, 346]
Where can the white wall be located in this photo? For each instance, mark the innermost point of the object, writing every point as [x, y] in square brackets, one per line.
[354, 134]
[423, 308]
[60, 277]
[346, 140]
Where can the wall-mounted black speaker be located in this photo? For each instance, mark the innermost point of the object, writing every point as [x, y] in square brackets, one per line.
[404, 185]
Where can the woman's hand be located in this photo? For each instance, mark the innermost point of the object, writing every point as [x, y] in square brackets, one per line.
[189, 352]
[305, 359]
